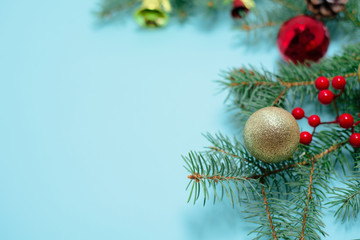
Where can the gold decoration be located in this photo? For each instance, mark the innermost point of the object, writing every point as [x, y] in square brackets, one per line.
[249, 4]
[153, 13]
[271, 134]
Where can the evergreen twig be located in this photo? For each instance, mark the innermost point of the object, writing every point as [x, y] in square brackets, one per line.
[308, 199]
[268, 213]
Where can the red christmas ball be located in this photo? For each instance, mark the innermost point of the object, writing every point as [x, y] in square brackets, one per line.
[325, 97]
[338, 82]
[322, 83]
[346, 120]
[355, 140]
[305, 138]
[303, 38]
[239, 9]
[314, 120]
[298, 113]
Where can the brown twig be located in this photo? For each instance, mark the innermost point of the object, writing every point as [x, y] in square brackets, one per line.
[286, 84]
[256, 83]
[352, 196]
[279, 97]
[309, 197]
[350, 74]
[296, 84]
[248, 27]
[197, 177]
[268, 213]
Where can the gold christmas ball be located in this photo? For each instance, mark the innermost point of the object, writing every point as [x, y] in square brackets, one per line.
[271, 134]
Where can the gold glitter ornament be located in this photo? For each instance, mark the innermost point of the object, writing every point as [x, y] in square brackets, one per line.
[271, 134]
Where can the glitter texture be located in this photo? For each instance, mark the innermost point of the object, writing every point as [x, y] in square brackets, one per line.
[271, 134]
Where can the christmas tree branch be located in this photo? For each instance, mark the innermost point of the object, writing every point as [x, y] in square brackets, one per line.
[223, 151]
[309, 197]
[251, 89]
[248, 27]
[198, 177]
[268, 213]
[281, 95]
[290, 6]
[286, 167]
[347, 198]
[351, 16]
[229, 170]
[226, 163]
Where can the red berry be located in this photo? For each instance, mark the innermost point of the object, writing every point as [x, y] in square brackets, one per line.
[298, 113]
[346, 120]
[314, 120]
[322, 83]
[338, 82]
[325, 97]
[305, 138]
[355, 140]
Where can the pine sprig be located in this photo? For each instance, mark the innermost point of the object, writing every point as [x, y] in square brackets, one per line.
[283, 197]
[209, 171]
[251, 89]
[347, 199]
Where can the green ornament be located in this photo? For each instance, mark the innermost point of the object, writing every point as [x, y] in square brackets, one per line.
[271, 134]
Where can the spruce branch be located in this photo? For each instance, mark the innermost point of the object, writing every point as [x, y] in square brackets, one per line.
[268, 213]
[248, 27]
[232, 166]
[308, 199]
[229, 170]
[251, 89]
[212, 171]
[347, 199]
[289, 5]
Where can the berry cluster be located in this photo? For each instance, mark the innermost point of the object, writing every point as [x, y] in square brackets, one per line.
[326, 97]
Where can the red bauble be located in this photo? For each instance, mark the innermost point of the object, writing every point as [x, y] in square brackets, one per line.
[325, 97]
[322, 83]
[305, 138]
[314, 120]
[239, 9]
[338, 82]
[355, 140]
[303, 38]
[346, 120]
[298, 113]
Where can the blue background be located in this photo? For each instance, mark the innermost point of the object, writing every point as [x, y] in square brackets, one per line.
[94, 120]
